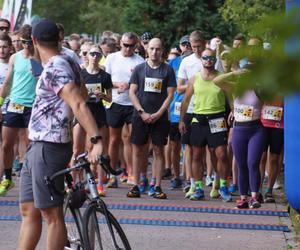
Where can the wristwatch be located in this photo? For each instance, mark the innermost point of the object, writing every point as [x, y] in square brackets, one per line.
[141, 111]
[95, 139]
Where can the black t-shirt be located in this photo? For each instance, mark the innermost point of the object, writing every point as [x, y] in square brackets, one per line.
[101, 81]
[152, 85]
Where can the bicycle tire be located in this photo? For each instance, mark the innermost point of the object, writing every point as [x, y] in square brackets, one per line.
[104, 238]
[74, 232]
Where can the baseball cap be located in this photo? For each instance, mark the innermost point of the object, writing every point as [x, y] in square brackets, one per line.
[146, 36]
[46, 31]
[184, 39]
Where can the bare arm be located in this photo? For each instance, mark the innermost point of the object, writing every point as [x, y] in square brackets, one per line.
[7, 81]
[72, 95]
[181, 86]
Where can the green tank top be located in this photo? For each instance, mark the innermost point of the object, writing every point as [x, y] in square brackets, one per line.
[23, 82]
[208, 97]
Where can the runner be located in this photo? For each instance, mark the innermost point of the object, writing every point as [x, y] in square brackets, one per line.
[21, 83]
[208, 124]
[120, 66]
[152, 86]
[58, 95]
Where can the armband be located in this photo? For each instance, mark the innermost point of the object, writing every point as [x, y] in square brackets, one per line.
[1, 101]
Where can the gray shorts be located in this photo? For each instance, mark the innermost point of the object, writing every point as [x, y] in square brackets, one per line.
[43, 159]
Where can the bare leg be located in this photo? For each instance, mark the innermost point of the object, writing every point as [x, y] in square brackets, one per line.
[175, 156]
[158, 152]
[114, 142]
[139, 158]
[126, 132]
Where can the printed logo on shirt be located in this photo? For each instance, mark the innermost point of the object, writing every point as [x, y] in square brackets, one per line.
[243, 113]
[153, 85]
[272, 113]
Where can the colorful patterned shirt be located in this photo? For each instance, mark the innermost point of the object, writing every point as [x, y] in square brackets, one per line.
[51, 117]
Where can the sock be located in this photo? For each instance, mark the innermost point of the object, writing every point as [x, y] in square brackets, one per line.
[192, 181]
[199, 184]
[223, 182]
[7, 173]
[153, 181]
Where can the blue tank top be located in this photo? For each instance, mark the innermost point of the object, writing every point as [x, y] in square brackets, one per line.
[23, 82]
[175, 107]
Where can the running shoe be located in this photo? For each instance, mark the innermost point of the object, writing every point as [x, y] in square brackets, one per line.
[134, 192]
[112, 183]
[242, 204]
[209, 181]
[151, 190]
[253, 203]
[260, 198]
[190, 192]
[176, 183]
[269, 198]
[158, 193]
[167, 174]
[144, 184]
[225, 195]
[123, 178]
[197, 195]
[233, 189]
[187, 186]
[101, 191]
[214, 193]
[6, 185]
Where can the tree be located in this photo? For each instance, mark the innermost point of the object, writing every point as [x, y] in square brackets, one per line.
[241, 13]
[171, 19]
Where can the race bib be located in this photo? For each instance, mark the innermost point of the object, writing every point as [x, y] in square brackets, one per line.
[15, 108]
[92, 87]
[177, 108]
[217, 125]
[272, 113]
[153, 85]
[243, 113]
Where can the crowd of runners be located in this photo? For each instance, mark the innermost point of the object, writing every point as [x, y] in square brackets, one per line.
[171, 111]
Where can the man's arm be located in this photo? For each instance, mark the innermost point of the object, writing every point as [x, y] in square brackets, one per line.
[146, 117]
[181, 86]
[72, 95]
[185, 103]
[7, 81]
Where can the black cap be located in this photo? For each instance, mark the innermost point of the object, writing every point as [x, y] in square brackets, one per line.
[146, 36]
[46, 31]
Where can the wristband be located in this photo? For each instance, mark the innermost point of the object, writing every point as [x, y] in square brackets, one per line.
[1, 101]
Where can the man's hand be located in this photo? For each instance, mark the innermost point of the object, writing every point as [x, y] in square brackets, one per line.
[146, 117]
[122, 86]
[182, 127]
[94, 155]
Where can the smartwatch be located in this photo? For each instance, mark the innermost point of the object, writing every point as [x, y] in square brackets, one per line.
[95, 139]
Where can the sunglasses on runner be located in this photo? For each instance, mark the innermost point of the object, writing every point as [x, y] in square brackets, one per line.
[27, 42]
[127, 45]
[209, 58]
[84, 53]
[4, 28]
[96, 54]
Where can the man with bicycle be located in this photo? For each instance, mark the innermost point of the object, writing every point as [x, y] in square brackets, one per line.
[58, 96]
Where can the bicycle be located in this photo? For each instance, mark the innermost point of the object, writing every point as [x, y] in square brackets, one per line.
[97, 228]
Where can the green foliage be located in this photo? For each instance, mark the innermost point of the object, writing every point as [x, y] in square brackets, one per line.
[171, 19]
[241, 12]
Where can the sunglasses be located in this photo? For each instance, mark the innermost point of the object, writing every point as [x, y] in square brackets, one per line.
[209, 58]
[127, 45]
[185, 44]
[145, 42]
[84, 53]
[4, 28]
[27, 42]
[96, 54]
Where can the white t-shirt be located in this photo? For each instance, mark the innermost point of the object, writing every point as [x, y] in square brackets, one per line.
[70, 53]
[189, 66]
[120, 69]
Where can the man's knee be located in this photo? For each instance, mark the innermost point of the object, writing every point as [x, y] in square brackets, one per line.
[29, 211]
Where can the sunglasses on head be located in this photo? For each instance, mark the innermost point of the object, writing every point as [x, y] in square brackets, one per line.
[4, 28]
[127, 45]
[209, 58]
[96, 54]
[27, 42]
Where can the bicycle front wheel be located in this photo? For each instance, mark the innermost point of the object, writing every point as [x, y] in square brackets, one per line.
[96, 233]
[73, 222]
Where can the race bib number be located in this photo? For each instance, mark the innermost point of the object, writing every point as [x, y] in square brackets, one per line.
[15, 108]
[177, 108]
[272, 113]
[153, 85]
[243, 113]
[217, 125]
[93, 87]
